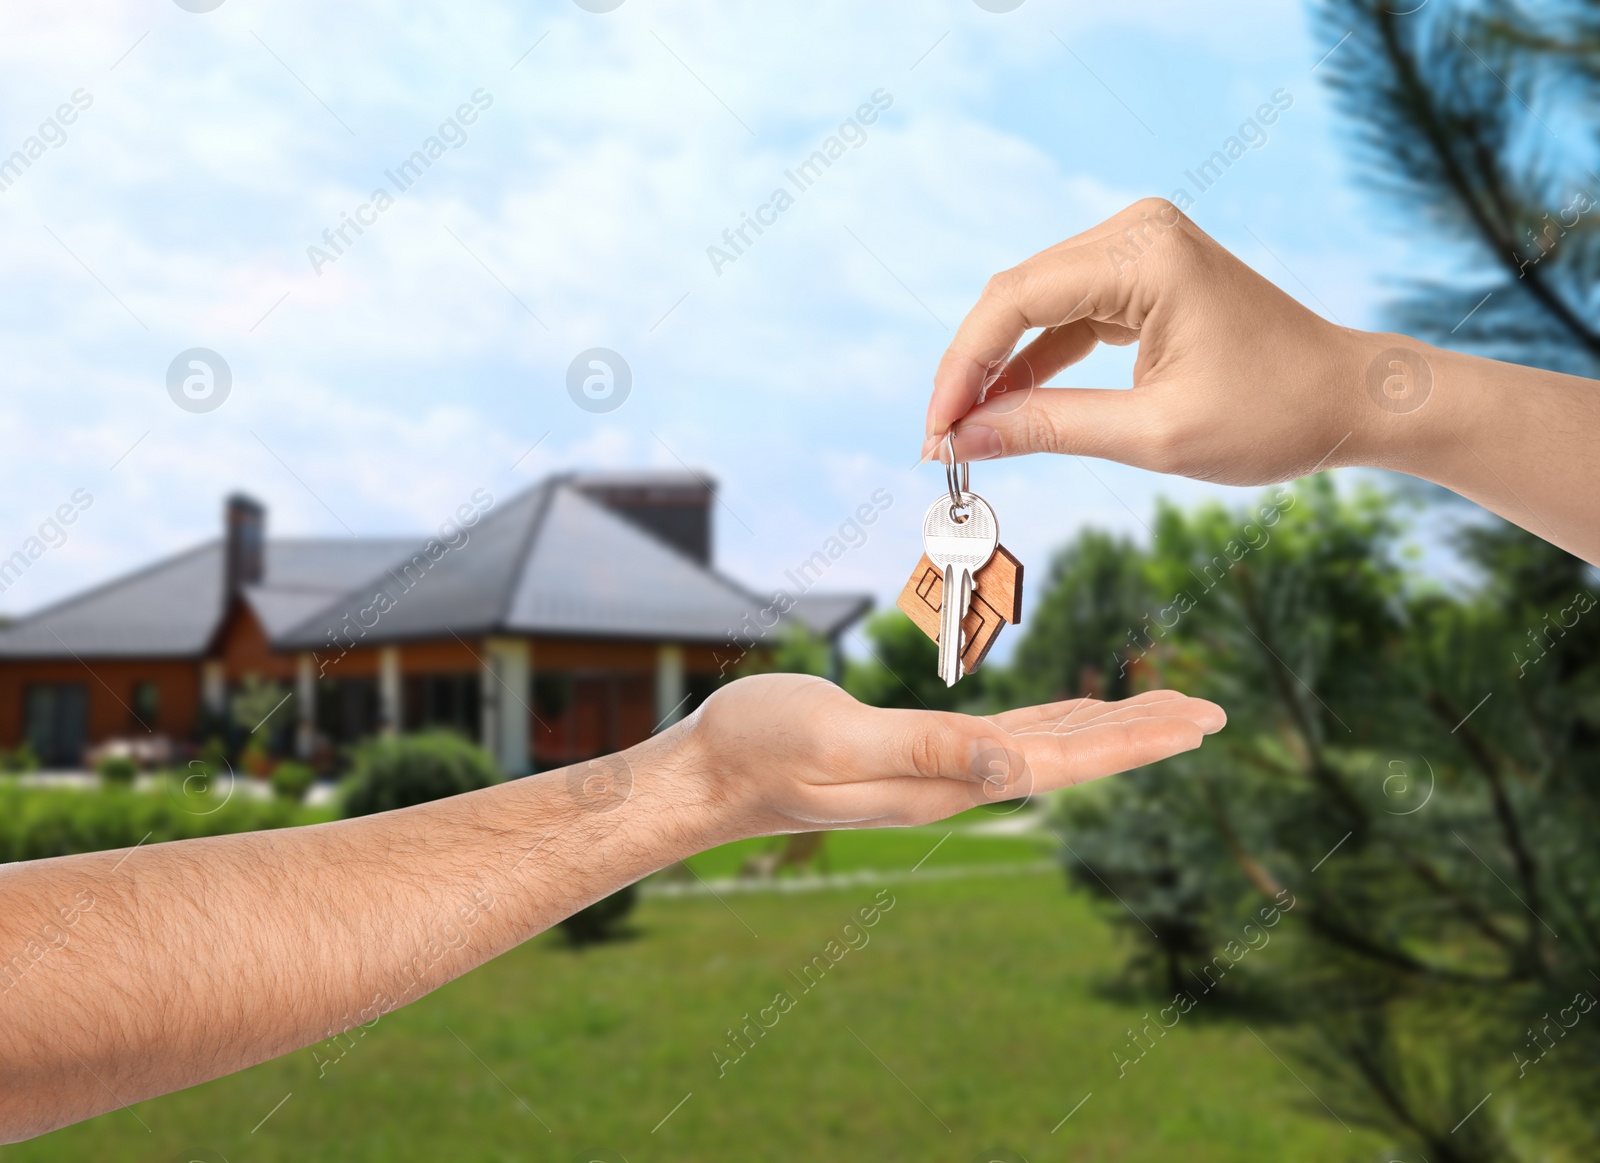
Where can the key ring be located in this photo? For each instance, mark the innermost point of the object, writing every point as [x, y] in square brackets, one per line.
[959, 480]
[951, 473]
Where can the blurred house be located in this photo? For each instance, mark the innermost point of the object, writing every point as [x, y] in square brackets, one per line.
[567, 621]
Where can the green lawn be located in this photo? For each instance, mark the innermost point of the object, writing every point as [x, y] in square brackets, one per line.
[895, 849]
[971, 1021]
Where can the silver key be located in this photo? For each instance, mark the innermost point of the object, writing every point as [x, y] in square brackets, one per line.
[959, 540]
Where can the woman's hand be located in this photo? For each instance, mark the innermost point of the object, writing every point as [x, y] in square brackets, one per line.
[1234, 382]
[1237, 383]
[788, 753]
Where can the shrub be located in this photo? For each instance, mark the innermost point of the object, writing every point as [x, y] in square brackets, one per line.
[256, 702]
[601, 921]
[19, 762]
[40, 822]
[214, 754]
[255, 760]
[414, 769]
[118, 769]
[292, 780]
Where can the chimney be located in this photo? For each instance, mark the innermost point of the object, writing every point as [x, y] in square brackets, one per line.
[244, 543]
[675, 507]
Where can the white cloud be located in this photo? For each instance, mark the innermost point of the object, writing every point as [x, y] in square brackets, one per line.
[406, 373]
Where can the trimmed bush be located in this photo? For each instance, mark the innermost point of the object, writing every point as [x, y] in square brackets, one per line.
[414, 769]
[20, 761]
[254, 760]
[601, 921]
[39, 822]
[291, 781]
[214, 755]
[119, 770]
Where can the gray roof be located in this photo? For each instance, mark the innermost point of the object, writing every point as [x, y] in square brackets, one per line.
[593, 572]
[549, 560]
[829, 614]
[172, 609]
[457, 588]
[644, 479]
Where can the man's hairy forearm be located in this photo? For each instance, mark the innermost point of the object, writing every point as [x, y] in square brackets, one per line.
[146, 970]
[160, 967]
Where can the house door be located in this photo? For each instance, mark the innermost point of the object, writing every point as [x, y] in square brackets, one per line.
[578, 716]
[56, 715]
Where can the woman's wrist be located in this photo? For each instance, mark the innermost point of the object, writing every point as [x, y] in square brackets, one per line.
[1418, 409]
[1513, 439]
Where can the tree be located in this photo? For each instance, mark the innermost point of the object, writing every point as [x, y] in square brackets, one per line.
[405, 770]
[259, 719]
[256, 702]
[1088, 632]
[795, 650]
[1475, 122]
[902, 669]
[1409, 771]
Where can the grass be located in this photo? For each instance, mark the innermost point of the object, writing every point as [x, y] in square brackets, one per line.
[894, 849]
[972, 1020]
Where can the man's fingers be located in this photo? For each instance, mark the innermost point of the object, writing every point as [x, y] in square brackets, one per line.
[1041, 761]
[1105, 749]
[946, 745]
[1066, 714]
[1206, 715]
[903, 766]
[1081, 709]
[935, 744]
[1023, 717]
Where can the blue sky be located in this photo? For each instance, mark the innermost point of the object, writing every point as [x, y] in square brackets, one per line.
[375, 393]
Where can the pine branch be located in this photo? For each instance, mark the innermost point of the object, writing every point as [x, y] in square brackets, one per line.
[1433, 101]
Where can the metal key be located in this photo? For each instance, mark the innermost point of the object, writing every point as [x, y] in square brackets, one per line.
[959, 535]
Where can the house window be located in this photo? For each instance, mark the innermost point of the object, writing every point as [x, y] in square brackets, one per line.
[56, 720]
[552, 695]
[146, 706]
[699, 688]
[580, 715]
[347, 709]
[449, 701]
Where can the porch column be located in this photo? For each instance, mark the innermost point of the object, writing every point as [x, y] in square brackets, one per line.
[305, 694]
[835, 661]
[214, 686]
[389, 690]
[507, 670]
[670, 692]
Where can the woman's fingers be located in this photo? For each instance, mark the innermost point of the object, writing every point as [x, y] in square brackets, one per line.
[1089, 278]
[1017, 416]
[1008, 389]
[1099, 422]
[1051, 351]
